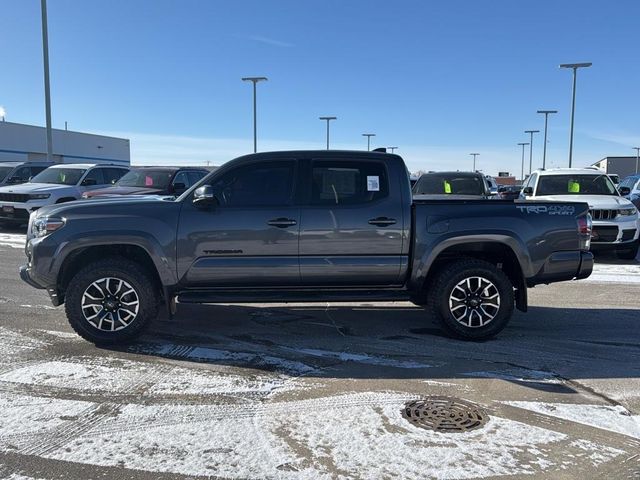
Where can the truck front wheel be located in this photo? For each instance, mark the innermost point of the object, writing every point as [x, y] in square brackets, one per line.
[111, 301]
[472, 299]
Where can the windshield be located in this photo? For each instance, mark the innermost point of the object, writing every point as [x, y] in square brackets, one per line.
[4, 171]
[146, 179]
[441, 184]
[59, 176]
[575, 185]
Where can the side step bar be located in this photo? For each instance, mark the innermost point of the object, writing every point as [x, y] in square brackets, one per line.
[296, 296]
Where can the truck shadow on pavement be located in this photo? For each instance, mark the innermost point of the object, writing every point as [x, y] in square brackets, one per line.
[546, 349]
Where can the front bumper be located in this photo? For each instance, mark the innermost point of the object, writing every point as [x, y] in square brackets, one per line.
[614, 232]
[19, 211]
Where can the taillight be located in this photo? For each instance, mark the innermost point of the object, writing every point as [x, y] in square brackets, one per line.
[585, 228]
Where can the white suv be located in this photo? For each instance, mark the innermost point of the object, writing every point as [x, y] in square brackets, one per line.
[615, 219]
[56, 184]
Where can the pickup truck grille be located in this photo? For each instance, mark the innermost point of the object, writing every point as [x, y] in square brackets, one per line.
[14, 197]
[603, 214]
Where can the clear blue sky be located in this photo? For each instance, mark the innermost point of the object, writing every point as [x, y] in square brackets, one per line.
[438, 79]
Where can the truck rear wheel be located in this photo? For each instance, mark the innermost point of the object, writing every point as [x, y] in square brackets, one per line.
[472, 299]
[111, 301]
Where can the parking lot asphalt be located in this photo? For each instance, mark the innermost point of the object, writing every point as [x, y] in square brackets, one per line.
[316, 391]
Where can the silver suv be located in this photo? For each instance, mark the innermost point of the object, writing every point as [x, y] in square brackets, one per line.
[615, 219]
[56, 184]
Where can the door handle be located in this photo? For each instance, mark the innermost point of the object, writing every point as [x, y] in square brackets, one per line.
[282, 222]
[382, 221]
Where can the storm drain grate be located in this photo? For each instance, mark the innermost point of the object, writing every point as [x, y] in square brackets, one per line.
[445, 414]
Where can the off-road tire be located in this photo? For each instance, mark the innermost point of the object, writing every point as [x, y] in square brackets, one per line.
[119, 268]
[444, 284]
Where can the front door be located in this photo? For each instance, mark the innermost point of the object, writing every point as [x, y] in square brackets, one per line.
[250, 238]
[352, 227]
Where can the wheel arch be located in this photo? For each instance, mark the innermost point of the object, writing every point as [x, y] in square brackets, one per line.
[82, 256]
[499, 253]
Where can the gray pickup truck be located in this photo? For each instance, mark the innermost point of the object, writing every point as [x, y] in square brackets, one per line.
[302, 226]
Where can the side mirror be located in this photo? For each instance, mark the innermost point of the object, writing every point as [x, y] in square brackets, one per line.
[178, 187]
[527, 191]
[88, 182]
[204, 197]
[625, 191]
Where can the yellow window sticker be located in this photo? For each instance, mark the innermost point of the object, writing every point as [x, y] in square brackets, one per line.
[447, 187]
[574, 187]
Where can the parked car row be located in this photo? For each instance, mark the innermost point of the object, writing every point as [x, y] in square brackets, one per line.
[614, 211]
[30, 186]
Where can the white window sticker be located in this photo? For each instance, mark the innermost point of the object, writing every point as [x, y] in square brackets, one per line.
[373, 183]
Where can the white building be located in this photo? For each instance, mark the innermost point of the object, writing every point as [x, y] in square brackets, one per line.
[20, 142]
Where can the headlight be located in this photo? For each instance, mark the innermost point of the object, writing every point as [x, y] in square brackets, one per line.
[44, 226]
[628, 211]
[39, 196]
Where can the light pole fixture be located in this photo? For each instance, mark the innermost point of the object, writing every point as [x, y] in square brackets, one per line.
[254, 80]
[531, 147]
[522, 170]
[474, 160]
[637, 149]
[393, 149]
[328, 119]
[47, 90]
[368, 135]
[544, 149]
[574, 67]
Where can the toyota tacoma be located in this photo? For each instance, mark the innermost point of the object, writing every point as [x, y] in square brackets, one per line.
[303, 226]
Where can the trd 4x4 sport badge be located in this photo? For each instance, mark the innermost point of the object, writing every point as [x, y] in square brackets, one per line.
[548, 209]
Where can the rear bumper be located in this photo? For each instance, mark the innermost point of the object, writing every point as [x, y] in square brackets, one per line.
[586, 265]
[562, 266]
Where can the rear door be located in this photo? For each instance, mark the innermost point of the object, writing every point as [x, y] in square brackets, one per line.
[352, 225]
[251, 238]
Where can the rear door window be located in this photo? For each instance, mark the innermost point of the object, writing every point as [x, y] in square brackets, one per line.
[348, 182]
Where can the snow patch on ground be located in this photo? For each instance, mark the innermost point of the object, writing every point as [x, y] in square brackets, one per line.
[123, 377]
[213, 355]
[519, 375]
[13, 343]
[22, 415]
[361, 358]
[607, 417]
[13, 240]
[595, 453]
[351, 436]
[614, 273]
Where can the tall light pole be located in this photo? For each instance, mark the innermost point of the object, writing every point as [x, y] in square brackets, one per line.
[328, 119]
[254, 80]
[393, 149]
[637, 149]
[474, 160]
[544, 149]
[47, 92]
[574, 67]
[368, 135]
[522, 171]
[531, 147]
